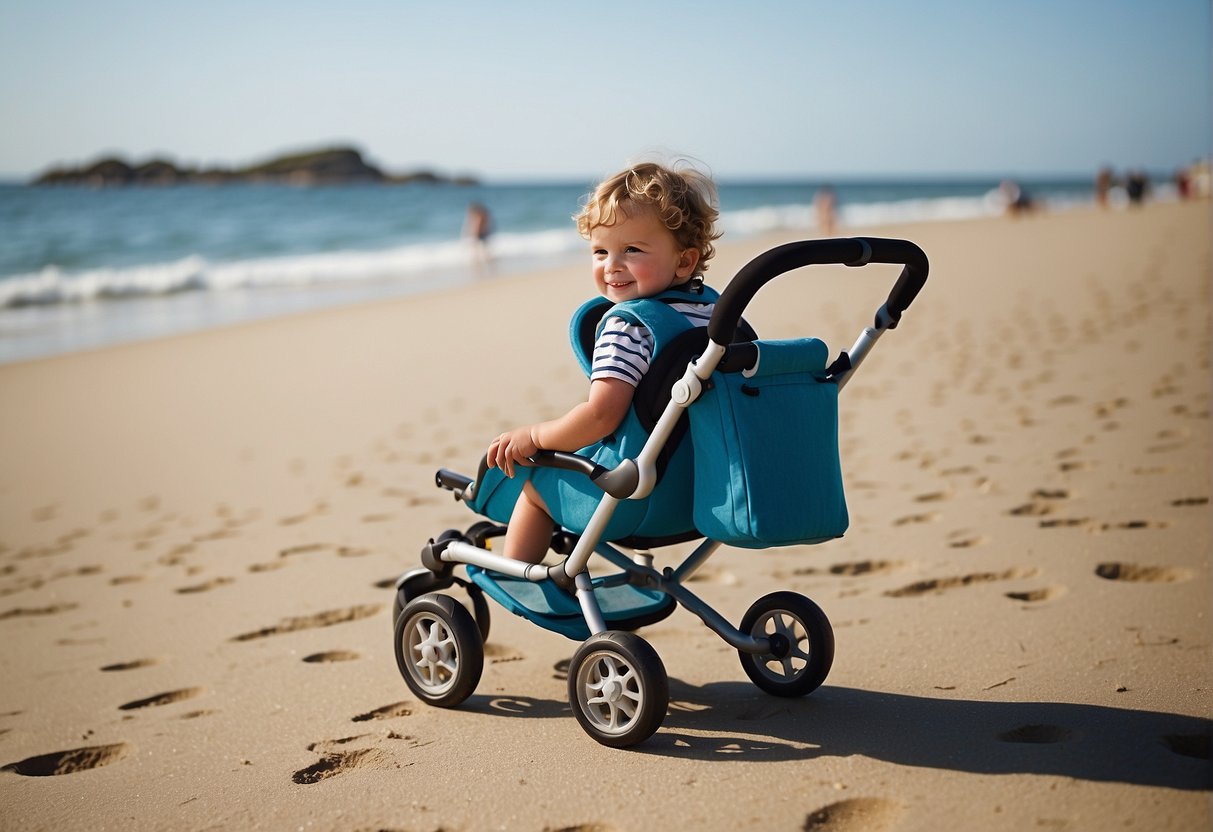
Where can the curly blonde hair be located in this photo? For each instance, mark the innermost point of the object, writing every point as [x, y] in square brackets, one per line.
[684, 201]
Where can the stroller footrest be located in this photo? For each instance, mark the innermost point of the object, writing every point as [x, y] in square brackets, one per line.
[624, 606]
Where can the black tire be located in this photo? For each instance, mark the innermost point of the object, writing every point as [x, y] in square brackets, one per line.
[422, 582]
[438, 650]
[618, 688]
[480, 608]
[804, 643]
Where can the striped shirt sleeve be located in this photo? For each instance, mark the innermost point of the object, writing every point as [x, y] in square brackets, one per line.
[622, 351]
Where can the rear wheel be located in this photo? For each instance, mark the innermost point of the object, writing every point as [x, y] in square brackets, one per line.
[618, 688]
[438, 650]
[802, 644]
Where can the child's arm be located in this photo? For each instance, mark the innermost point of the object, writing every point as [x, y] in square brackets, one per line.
[587, 422]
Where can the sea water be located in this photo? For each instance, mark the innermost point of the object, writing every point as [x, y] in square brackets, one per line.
[81, 268]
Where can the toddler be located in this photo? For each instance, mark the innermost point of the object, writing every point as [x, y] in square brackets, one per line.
[650, 228]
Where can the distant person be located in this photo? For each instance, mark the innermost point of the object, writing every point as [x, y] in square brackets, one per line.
[826, 204]
[478, 227]
[1183, 183]
[1200, 179]
[1137, 186]
[1103, 185]
[1015, 199]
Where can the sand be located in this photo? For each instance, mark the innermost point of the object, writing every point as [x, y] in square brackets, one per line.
[199, 535]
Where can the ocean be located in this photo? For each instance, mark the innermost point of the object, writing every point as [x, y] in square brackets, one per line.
[82, 268]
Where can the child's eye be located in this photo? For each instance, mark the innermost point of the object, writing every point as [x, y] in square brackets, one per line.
[632, 250]
[600, 252]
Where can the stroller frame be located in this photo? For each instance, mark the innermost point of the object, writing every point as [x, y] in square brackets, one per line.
[617, 684]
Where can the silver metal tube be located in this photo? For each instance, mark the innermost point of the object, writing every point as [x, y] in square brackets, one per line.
[589, 604]
[592, 534]
[695, 560]
[716, 622]
[459, 552]
[863, 345]
[683, 393]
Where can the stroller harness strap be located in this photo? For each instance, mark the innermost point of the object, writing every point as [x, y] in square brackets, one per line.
[655, 314]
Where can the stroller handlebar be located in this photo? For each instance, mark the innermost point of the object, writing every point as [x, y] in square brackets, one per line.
[854, 251]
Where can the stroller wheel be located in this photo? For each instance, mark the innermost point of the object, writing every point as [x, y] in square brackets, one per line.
[802, 642]
[438, 650]
[618, 688]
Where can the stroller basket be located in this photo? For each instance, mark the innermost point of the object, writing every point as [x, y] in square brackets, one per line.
[763, 426]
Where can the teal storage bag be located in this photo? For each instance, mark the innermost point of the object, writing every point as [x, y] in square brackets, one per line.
[767, 469]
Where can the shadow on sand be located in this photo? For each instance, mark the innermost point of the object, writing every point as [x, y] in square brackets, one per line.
[733, 720]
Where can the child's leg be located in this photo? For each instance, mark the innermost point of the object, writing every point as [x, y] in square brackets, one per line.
[530, 529]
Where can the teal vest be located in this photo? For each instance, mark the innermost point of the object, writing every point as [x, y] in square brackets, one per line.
[571, 497]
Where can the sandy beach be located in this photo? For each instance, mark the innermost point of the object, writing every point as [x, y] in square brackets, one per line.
[199, 537]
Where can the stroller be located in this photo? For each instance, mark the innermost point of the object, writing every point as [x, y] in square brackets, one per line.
[756, 467]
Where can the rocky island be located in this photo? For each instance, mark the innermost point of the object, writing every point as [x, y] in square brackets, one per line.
[332, 166]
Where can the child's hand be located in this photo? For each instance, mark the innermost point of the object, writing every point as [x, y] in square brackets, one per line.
[515, 446]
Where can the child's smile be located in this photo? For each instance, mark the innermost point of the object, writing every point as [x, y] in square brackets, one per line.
[638, 257]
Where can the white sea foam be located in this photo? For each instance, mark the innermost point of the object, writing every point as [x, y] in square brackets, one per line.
[418, 263]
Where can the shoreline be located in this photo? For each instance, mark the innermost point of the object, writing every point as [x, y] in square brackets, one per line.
[64, 329]
[199, 535]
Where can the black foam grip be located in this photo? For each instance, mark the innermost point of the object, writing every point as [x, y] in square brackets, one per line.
[854, 251]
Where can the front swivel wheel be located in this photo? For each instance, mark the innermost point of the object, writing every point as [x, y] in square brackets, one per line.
[438, 650]
[802, 644]
[618, 688]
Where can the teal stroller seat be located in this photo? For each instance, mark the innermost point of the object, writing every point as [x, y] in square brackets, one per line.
[730, 440]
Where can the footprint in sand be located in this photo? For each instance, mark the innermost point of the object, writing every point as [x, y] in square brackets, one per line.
[937, 585]
[131, 665]
[1033, 508]
[1141, 574]
[1195, 746]
[924, 517]
[303, 549]
[499, 653]
[26, 612]
[863, 567]
[1134, 524]
[340, 762]
[205, 586]
[159, 699]
[308, 622]
[966, 539]
[386, 712]
[69, 762]
[1064, 522]
[861, 814]
[1191, 501]
[295, 519]
[196, 714]
[1037, 734]
[332, 656]
[1035, 596]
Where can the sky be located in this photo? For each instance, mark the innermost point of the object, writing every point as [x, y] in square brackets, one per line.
[529, 90]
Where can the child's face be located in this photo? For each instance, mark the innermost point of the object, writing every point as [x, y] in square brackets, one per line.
[638, 257]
